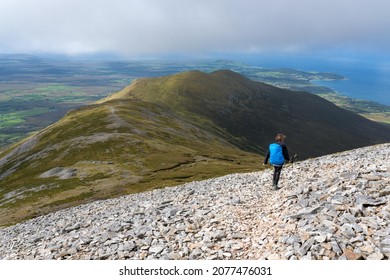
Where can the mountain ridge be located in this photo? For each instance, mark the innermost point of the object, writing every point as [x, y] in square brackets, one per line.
[258, 111]
[165, 131]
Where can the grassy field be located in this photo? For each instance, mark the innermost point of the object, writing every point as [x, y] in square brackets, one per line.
[26, 108]
[18, 118]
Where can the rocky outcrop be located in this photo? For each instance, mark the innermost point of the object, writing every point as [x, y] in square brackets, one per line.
[333, 207]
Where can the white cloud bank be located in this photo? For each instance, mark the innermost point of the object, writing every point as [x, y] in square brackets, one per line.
[142, 27]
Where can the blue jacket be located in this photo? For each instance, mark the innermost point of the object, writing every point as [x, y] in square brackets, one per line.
[277, 154]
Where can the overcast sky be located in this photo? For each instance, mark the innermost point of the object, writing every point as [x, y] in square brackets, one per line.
[157, 27]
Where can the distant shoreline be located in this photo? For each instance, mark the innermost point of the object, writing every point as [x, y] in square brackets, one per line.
[366, 76]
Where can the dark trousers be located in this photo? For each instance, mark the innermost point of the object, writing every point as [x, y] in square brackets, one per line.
[277, 170]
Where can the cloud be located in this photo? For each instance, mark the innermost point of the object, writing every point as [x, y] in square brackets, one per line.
[141, 27]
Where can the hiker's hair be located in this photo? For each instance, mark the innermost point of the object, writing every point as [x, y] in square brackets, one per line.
[280, 137]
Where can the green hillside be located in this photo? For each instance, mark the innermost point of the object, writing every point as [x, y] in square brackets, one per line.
[254, 112]
[108, 150]
[165, 131]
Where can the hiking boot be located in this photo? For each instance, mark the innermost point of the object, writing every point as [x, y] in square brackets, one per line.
[275, 187]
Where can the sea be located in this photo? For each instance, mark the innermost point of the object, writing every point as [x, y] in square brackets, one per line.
[367, 76]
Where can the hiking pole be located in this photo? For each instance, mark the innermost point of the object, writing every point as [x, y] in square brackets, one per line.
[293, 159]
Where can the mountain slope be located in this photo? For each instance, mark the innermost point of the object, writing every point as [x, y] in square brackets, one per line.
[111, 149]
[165, 131]
[255, 112]
[333, 207]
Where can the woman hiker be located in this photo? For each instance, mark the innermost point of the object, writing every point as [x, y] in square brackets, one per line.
[277, 155]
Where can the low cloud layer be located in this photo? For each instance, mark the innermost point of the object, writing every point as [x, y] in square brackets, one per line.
[153, 27]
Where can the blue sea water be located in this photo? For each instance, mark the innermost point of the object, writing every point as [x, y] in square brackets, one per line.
[367, 76]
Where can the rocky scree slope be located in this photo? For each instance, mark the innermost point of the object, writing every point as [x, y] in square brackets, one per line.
[332, 207]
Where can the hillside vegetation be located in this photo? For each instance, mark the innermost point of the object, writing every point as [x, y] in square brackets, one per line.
[165, 131]
[255, 112]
